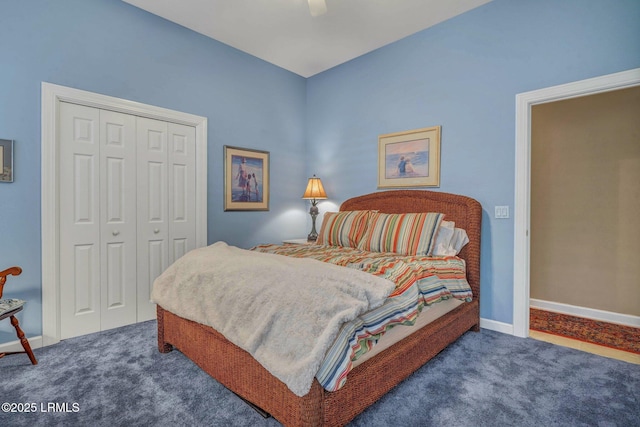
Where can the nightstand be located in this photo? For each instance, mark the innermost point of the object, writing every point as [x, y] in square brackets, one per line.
[297, 242]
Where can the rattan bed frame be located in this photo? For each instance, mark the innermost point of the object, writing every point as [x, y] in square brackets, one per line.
[240, 373]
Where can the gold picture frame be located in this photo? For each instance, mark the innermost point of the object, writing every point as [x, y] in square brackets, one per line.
[6, 160]
[409, 159]
[246, 179]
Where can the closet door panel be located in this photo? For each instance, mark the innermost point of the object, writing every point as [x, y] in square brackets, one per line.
[118, 219]
[79, 211]
[182, 189]
[152, 214]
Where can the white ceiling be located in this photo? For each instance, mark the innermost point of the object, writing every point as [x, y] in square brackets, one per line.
[284, 33]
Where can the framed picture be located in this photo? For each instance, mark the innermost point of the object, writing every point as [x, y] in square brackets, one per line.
[246, 179]
[6, 160]
[409, 159]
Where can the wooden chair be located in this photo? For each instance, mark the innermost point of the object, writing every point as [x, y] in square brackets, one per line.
[9, 308]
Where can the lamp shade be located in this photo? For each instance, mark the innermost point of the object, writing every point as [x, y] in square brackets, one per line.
[314, 190]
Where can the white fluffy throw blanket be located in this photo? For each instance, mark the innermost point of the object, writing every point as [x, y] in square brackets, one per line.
[284, 311]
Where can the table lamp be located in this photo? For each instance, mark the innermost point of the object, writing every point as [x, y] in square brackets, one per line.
[314, 192]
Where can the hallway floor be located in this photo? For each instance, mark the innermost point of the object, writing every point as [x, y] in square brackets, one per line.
[587, 347]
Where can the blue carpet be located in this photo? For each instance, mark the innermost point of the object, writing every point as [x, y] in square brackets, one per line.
[118, 378]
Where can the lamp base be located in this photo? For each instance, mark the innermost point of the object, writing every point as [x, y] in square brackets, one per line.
[313, 236]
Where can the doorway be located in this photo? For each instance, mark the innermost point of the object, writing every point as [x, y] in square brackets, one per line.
[585, 198]
[522, 218]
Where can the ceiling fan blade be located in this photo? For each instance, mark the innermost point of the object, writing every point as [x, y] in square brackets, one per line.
[317, 7]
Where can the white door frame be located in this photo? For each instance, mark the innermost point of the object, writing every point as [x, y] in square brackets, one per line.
[52, 95]
[524, 102]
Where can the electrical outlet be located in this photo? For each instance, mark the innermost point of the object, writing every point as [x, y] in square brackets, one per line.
[502, 212]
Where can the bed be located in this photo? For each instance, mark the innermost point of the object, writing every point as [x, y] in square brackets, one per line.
[242, 374]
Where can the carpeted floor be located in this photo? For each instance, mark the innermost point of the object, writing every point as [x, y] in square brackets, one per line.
[620, 337]
[117, 378]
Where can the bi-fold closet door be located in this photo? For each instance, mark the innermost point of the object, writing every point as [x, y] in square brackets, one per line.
[127, 211]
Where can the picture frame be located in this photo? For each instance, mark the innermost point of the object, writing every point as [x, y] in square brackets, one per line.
[246, 179]
[409, 159]
[6, 160]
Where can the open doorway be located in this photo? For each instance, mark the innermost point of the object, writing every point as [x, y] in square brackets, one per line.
[585, 237]
[585, 199]
[524, 104]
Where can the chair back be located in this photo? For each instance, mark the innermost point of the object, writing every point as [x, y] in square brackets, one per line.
[13, 271]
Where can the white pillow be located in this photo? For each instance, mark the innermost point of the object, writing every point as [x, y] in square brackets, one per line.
[449, 240]
[459, 239]
[443, 238]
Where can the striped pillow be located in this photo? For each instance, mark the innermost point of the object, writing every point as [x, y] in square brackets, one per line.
[406, 234]
[343, 228]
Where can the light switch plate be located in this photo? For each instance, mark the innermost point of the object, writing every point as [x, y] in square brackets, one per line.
[502, 212]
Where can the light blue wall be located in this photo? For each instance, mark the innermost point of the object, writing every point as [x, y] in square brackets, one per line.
[112, 48]
[464, 75]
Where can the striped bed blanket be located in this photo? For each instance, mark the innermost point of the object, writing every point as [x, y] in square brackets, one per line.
[419, 281]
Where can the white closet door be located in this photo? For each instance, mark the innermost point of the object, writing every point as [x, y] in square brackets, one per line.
[153, 224]
[118, 219]
[127, 211]
[79, 220]
[182, 189]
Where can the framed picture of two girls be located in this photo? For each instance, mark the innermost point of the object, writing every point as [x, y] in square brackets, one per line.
[246, 179]
[410, 158]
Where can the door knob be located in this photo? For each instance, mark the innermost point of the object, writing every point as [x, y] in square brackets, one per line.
[115, 232]
[156, 230]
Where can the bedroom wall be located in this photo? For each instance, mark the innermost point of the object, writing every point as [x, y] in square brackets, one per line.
[112, 48]
[585, 200]
[464, 75]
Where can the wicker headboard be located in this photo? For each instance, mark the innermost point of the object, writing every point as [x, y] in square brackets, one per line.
[465, 211]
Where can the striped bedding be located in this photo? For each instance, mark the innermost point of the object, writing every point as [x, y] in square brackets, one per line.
[419, 280]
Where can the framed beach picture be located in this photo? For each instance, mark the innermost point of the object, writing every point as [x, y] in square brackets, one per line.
[409, 159]
[246, 179]
[6, 160]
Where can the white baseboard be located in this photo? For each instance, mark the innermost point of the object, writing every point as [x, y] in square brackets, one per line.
[494, 325]
[589, 313]
[34, 342]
